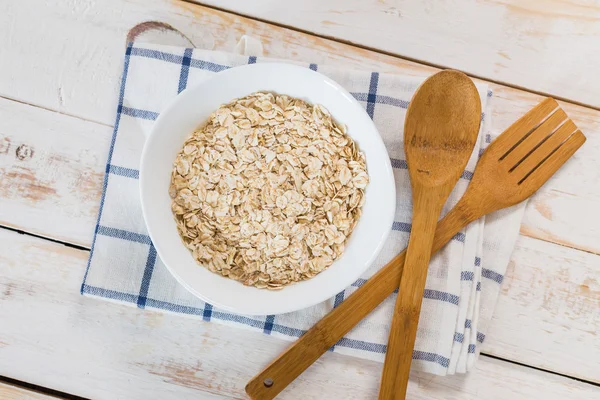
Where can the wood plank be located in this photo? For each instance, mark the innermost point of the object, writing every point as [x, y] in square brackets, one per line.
[559, 213]
[10, 392]
[56, 338]
[546, 46]
[548, 312]
[51, 172]
[575, 182]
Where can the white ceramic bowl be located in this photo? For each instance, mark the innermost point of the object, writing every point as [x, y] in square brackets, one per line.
[189, 110]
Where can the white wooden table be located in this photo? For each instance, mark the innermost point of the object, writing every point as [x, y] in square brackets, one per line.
[60, 63]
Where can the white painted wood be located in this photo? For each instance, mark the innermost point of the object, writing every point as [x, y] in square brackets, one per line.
[561, 213]
[10, 392]
[548, 312]
[51, 172]
[96, 349]
[79, 75]
[64, 208]
[547, 46]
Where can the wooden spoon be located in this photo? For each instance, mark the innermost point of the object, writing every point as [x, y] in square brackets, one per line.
[511, 169]
[440, 131]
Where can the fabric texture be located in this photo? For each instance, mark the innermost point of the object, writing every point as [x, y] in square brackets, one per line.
[463, 280]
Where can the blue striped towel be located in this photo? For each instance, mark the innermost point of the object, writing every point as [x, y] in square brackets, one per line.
[464, 279]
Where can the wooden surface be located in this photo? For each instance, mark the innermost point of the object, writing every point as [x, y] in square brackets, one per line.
[58, 82]
[77, 345]
[548, 46]
[10, 392]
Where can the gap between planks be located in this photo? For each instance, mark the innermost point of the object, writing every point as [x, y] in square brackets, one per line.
[387, 53]
[56, 111]
[86, 250]
[43, 392]
[540, 369]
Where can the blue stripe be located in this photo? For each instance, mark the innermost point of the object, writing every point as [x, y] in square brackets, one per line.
[185, 69]
[122, 234]
[313, 67]
[489, 274]
[379, 99]
[110, 153]
[252, 60]
[361, 345]
[459, 337]
[294, 332]
[401, 226]
[388, 100]
[428, 294]
[175, 59]
[460, 237]
[442, 296]
[480, 337]
[431, 357]
[398, 164]
[138, 113]
[471, 348]
[406, 227]
[478, 287]
[207, 314]
[467, 275]
[338, 299]
[158, 55]
[147, 277]
[109, 294]
[269, 324]
[468, 323]
[207, 66]
[402, 164]
[359, 282]
[122, 171]
[372, 97]
[477, 261]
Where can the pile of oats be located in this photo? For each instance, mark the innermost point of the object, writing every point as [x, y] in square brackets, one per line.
[268, 191]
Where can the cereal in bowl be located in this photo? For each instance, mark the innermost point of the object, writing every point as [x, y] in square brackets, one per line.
[268, 191]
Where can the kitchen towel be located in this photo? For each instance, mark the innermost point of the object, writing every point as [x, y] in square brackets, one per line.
[464, 278]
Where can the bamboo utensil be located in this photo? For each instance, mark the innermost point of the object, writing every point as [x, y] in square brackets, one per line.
[538, 144]
[440, 131]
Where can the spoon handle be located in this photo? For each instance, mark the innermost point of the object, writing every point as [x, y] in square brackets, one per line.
[405, 319]
[329, 330]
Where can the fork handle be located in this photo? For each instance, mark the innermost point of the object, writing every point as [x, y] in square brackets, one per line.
[331, 328]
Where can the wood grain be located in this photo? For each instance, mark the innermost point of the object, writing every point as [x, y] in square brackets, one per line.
[440, 131]
[55, 332]
[551, 46]
[541, 313]
[10, 392]
[51, 172]
[566, 201]
[483, 196]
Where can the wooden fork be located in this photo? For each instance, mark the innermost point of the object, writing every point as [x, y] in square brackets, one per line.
[512, 168]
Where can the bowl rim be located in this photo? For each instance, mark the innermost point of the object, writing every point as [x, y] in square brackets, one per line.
[283, 307]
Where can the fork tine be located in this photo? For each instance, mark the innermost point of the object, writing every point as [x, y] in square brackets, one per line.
[534, 139]
[512, 136]
[549, 145]
[554, 160]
